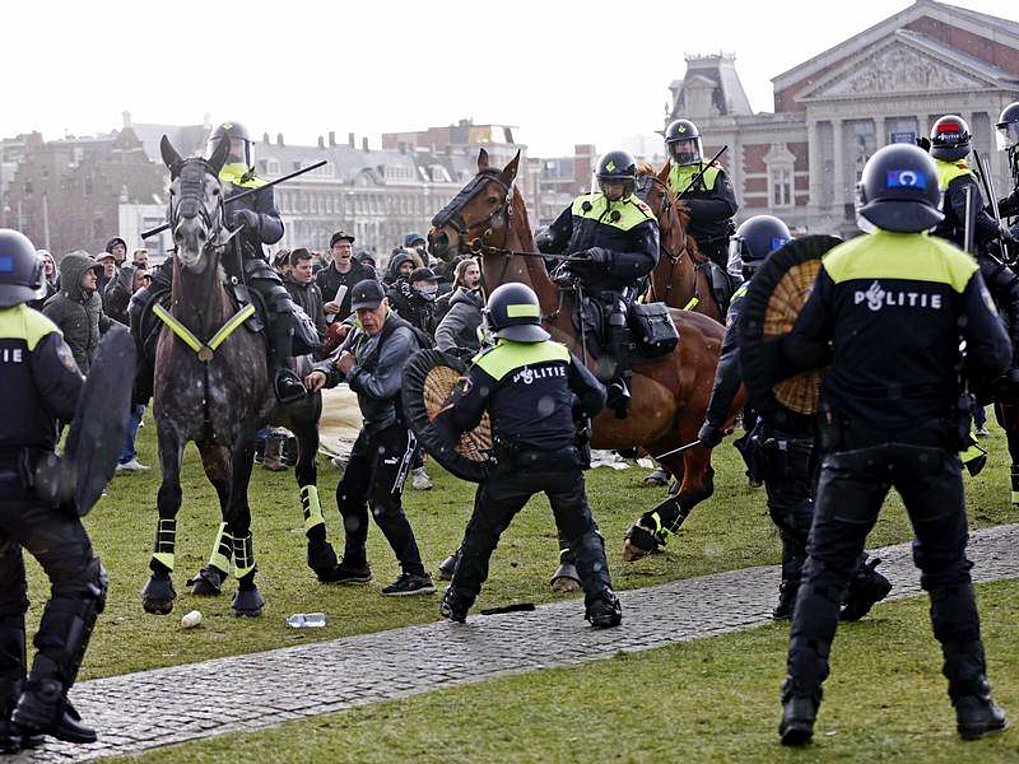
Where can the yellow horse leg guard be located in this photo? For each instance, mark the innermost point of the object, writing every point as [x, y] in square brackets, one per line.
[166, 542]
[311, 507]
[221, 551]
[244, 556]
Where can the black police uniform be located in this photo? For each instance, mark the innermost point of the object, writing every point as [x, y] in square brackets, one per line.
[621, 239]
[893, 305]
[41, 384]
[712, 204]
[531, 391]
[787, 451]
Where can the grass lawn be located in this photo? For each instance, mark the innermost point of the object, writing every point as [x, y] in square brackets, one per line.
[731, 530]
[711, 700]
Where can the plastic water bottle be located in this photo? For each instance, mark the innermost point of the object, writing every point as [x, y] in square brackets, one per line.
[191, 620]
[306, 620]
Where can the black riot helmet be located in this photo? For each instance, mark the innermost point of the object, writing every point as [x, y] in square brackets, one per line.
[898, 190]
[241, 145]
[950, 139]
[753, 241]
[618, 167]
[1007, 128]
[21, 275]
[683, 141]
[513, 313]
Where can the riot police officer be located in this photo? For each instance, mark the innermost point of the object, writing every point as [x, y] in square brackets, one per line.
[260, 223]
[612, 238]
[706, 191]
[889, 310]
[786, 442]
[1007, 140]
[950, 144]
[41, 384]
[532, 388]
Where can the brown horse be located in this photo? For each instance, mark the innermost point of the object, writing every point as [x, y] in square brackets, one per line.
[681, 276]
[670, 394]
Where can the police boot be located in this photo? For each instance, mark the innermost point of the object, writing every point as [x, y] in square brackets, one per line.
[867, 587]
[44, 709]
[787, 592]
[976, 713]
[448, 566]
[619, 388]
[799, 710]
[286, 384]
[455, 605]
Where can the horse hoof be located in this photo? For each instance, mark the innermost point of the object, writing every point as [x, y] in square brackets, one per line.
[158, 596]
[447, 566]
[208, 582]
[248, 603]
[322, 560]
[566, 579]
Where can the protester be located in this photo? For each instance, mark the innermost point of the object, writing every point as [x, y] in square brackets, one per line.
[77, 309]
[336, 281]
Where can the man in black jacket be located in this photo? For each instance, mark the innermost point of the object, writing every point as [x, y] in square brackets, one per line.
[337, 280]
[371, 361]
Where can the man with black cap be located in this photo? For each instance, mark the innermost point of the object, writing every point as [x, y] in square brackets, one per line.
[339, 278]
[371, 361]
[533, 389]
[414, 299]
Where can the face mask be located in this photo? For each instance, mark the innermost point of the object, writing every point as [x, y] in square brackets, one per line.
[429, 292]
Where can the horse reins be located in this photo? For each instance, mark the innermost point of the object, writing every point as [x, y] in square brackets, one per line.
[662, 248]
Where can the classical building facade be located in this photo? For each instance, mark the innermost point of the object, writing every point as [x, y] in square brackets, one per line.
[886, 84]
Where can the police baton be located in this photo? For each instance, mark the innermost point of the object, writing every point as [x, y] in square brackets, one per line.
[247, 192]
[681, 449]
[697, 178]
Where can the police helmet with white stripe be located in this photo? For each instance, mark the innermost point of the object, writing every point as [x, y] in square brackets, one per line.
[514, 313]
[898, 190]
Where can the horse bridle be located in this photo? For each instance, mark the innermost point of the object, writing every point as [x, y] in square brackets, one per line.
[189, 200]
[451, 215]
[644, 183]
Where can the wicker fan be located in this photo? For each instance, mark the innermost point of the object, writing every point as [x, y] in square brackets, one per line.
[428, 380]
[775, 298]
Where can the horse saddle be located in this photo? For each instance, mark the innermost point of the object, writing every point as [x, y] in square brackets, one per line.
[650, 329]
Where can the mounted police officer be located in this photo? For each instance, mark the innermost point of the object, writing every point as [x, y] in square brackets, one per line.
[41, 384]
[612, 239]
[259, 222]
[1007, 139]
[533, 389]
[786, 442]
[950, 144]
[705, 189]
[888, 311]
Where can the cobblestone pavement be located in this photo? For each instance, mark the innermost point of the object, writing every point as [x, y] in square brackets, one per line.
[145, 710]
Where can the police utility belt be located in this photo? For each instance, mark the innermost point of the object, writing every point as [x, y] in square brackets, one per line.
[952, 432]
[511, 457]
[17, 465]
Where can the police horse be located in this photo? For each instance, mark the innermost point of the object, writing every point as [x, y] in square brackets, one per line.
[680, 279]
[212, 386]
[670, 393]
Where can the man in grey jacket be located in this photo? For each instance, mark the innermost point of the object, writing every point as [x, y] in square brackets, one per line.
[371, 361]
[77, 308]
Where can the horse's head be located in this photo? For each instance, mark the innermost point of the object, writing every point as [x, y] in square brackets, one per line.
[480, 211]
[653, 189]
[195, 211]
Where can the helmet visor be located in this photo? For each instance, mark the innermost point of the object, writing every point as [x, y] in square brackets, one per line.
[736, 249]
[241, 151]
[686, 151]
[1007, 135]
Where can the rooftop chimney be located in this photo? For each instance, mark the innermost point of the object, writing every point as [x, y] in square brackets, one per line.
[364, 144]
[350, 140]
[127, 118]
[279, 139]
[332, 138]
[321, 142]
[265, 138]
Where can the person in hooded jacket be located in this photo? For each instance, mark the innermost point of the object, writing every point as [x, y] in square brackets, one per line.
[401, 264]
[458, 326]
[414, 299]
[77, 309]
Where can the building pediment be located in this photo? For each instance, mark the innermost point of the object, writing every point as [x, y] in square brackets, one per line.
[898, 67]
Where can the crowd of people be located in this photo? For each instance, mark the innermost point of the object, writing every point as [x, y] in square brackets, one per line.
[893, 411]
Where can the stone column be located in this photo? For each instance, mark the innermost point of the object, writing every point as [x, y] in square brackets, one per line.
[813, 164]
[839, 170]
[880, 133]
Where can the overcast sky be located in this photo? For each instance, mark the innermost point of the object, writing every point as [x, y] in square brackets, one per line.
[564, 72]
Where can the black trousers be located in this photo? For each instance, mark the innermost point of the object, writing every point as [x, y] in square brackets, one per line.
[375, 476]
[852, 488]
[556, 474]
[59, 542]
[789, 470]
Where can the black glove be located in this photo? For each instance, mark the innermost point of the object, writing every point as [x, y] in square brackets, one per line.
[598, 255]
[246, 218]
[924, 142]
[579, 263]
[710, 435]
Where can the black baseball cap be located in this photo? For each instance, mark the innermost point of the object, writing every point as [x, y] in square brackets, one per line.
[367, 295]
[340, 236]
[422, 274]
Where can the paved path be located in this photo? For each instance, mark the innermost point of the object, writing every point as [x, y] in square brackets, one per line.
[135, 712]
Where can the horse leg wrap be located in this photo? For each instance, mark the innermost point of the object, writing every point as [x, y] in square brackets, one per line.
[244, 555]
[312, 508]
[166, 543]
[1015, 485]
[222, 549]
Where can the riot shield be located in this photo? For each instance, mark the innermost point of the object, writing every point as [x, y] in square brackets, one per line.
[428, 380]
[773, 301]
